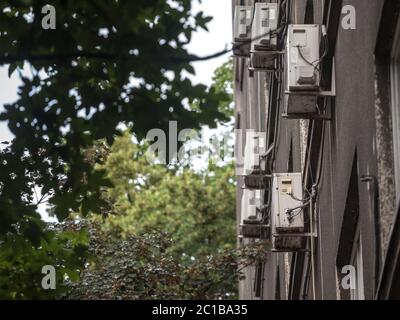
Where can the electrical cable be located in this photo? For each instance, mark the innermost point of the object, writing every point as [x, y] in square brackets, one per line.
[312, 249]
[305, 59]
[309, 168]
[315, 64]
[289, 211]
[280, 31]
[276, 32]
[277, 115]
[297, 199]
[315, 186]
[266, 210]
[291, 217]
[321, 157]
[253, 14]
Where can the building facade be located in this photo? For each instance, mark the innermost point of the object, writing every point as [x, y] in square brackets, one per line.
[348, 153]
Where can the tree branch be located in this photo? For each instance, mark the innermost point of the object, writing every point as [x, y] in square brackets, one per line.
[98, 55]
[194, 58]
[56, 57]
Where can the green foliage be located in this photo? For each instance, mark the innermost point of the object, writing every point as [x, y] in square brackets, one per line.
[193, 257]
[165, 234]
[223, 85]
[141, 267]
[192, 206]
[63, 246]
[132, 196]
[107, 62]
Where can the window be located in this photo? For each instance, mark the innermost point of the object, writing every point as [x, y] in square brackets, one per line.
[395, 89]
[357, 262]
[350, 243]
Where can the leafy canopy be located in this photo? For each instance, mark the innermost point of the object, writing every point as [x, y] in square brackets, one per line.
[141, 267]
[106, 63]
[197, 208]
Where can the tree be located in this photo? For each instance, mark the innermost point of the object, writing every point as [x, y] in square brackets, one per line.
[166, 233]
[192, 206]
[63, 246]
[194, 256]
[141, 267]
[223, 84]
[106, 63]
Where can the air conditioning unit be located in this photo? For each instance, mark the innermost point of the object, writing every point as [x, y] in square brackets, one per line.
[252, 204]
[287, 212]
[252, 212]
[242, 31]
[303, 70]
[256, 143]
[264, 37]
[303, 54]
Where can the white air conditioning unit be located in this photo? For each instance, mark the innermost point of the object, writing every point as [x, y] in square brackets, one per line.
[252, 212]
[303, 70]
[242, 31]
[252, 204]
[256, 143]
[303, 54]
[287, 212]
[264, 37]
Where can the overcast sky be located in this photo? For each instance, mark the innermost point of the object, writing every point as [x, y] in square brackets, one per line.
[217, 39]
[203, 43]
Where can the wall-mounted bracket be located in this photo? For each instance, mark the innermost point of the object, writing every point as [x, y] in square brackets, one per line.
[303, 104]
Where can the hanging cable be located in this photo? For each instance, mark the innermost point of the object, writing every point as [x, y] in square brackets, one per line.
[316, 64]
[297, 199]
[321, 159]
[278, 32]
[309, 168]
[312, 249]
[253, 14]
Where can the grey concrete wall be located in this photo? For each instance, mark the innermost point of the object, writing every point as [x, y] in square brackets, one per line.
[359, 129]
[351, 131]
[355, 124]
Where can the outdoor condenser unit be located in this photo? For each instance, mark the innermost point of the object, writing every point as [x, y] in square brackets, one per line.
[303, 68]
[254, 149]
[264, 37]
[252, 202]
[303, 54]
[287, 211]
[252, 208]
[242, 31]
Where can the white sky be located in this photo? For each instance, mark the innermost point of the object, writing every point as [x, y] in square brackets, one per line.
[220, 35]
[203, 44]
[8, 93]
